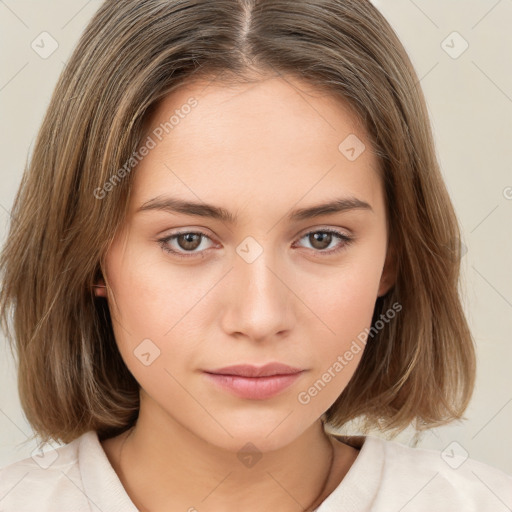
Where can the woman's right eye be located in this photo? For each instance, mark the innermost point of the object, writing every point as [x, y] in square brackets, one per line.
[187, 240]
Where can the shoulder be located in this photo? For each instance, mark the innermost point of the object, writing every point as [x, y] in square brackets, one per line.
[404, 478]
[443, 480]
[46, 480]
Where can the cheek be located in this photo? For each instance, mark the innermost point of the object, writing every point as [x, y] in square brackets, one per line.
[344, 310]
[154, 311]
[148, 327]
[344, 300]
[151, 296]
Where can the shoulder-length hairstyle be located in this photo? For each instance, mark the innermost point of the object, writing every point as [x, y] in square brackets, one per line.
[419, 368]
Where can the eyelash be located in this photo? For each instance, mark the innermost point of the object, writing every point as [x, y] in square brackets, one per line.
[164, 241]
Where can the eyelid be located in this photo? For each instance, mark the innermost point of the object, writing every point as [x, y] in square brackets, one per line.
[334, 229]
[301, 234]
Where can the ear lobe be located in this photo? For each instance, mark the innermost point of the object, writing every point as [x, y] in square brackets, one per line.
[100, 290]
[388, 276]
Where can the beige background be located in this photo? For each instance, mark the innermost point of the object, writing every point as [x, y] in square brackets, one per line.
[470, 101]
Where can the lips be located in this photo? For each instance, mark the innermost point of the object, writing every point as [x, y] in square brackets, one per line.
[247, 370]
[253, 382]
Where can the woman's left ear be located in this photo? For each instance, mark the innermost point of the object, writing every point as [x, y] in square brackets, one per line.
[100, 290]
[388, 276]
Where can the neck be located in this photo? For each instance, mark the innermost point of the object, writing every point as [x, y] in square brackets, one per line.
[165, 466]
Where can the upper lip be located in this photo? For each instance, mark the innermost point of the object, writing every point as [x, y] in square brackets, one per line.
[248, 370]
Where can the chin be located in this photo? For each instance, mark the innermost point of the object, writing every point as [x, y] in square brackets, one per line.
[266, 431]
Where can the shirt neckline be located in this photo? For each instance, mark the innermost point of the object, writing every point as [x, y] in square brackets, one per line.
[102, 486]
[356, 491]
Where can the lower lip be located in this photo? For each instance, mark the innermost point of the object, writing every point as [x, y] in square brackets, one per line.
[254, 388]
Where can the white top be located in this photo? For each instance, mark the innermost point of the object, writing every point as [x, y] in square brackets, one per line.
[386, 476]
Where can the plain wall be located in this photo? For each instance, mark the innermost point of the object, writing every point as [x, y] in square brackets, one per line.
[470, 101]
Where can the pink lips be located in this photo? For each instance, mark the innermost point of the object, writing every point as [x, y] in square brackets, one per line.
[252, 382]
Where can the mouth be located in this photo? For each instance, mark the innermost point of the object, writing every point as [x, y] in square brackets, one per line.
[249, 370]
[252, 382]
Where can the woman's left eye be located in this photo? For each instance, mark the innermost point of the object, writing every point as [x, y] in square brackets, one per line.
[321, 239]
[191, 241]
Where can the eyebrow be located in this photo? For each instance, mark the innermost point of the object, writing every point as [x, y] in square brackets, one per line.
[175, 205]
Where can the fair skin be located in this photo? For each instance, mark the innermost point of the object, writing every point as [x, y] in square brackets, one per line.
[259, 151]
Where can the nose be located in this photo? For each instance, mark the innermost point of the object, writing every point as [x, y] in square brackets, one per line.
[258, 302]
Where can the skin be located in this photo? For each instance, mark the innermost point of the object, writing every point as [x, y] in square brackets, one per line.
[258, 150]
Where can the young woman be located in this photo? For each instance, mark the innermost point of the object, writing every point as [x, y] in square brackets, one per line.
[233, 237]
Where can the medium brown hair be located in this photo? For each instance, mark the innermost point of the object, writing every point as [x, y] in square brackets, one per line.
[420, 367]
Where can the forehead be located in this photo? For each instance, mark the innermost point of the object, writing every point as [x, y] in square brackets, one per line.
[271, 139]
[286, 100]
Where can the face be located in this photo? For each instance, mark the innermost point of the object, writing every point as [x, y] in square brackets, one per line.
[192, 291]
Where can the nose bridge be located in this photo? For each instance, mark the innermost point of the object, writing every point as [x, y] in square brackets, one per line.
[259, 276]
[260, 301]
